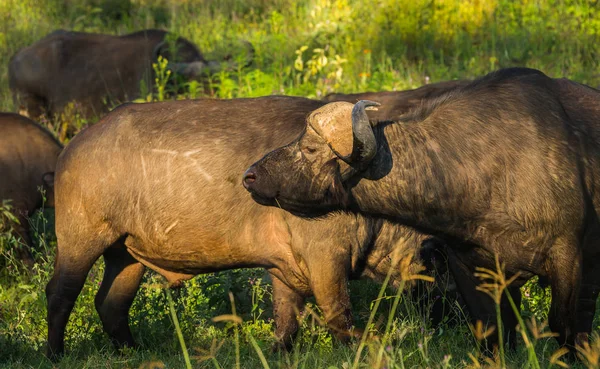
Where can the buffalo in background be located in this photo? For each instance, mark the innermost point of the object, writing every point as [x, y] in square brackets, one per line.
[98, 71]
[28, 155]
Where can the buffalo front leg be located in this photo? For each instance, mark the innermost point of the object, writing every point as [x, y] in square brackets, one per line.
[287, 304]
[329, 285]
[122, 277]
[438, 299]
[480, 305]
[509, 315]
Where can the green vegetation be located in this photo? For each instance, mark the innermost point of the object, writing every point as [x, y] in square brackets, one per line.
[307, 48]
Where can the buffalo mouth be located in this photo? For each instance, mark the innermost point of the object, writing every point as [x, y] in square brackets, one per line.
[314, 209]
[263, 200]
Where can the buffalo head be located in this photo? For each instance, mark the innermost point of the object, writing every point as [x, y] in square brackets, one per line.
[189, 63]
[308, 175]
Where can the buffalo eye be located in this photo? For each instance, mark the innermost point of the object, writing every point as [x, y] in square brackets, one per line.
[310, 149]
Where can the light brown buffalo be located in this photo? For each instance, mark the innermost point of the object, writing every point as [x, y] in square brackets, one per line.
[158, 186]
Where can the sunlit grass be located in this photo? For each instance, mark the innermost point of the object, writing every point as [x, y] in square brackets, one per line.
[345, 45]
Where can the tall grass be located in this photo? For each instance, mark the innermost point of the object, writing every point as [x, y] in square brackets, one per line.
[307, 48]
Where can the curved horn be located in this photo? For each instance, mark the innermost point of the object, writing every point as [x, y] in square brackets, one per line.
[364, 145]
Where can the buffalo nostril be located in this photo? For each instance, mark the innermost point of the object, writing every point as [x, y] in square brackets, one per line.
[249, 178]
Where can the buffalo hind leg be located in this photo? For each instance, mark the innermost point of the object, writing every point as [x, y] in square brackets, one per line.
[122, 277]
[588, 294]
[590, 286]
[564, 273]
[74, 260]
[586, 307]
[287, 304]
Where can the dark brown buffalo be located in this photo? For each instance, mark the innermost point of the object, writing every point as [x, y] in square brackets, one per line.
[96, 71]
[157, 186]
[510, 162]
[395, 104]
[28, 155]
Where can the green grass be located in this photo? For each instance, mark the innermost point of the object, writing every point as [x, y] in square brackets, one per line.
[411, 341]
[307, 48]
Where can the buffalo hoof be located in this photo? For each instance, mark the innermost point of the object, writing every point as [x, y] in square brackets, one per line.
[128, 348]
[356, 335]
[281, 346]
[54, 356]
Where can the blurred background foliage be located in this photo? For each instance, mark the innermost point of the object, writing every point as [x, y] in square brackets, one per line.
[343, 45]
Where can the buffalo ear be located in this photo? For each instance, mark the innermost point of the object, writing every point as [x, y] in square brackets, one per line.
[48, 179]
[163, 49]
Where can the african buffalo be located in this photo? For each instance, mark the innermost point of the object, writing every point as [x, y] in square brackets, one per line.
[157, 185]
[97, 71]
[394, 104]
[507, 165]
[28, 155]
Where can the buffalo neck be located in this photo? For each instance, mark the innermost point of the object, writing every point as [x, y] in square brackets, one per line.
[429, 174]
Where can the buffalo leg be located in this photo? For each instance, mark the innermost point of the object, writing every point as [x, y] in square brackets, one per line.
[332, 296]
[481, 306]
[22, 230]
[590, 287]
[444, 291]
[287, 304]
[586, 307]
[509, 316]
[588, 294]
[74, 260]
[122, 277]
[31, 106]
[565, 279]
